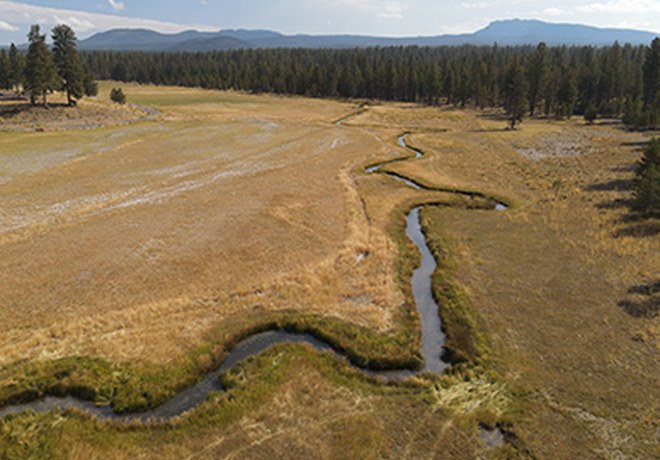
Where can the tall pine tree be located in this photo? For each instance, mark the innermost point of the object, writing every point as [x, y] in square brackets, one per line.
[647, 184]
[65, 54]
[515, 92]
[40, 71]
[17, 68]
[567, 93]
[652, 78]
[537, 75]
[89, 83]
[5, 70]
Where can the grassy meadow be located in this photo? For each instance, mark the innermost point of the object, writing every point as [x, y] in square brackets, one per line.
[137, 248]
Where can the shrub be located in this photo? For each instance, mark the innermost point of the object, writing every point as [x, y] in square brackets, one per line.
[118, 96]
[590, 113]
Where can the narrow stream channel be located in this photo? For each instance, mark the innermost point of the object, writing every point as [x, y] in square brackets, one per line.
[433, 338]
[194, 396]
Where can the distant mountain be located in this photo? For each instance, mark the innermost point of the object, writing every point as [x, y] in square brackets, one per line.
[509, 32]
[517, 31]
[148, 40]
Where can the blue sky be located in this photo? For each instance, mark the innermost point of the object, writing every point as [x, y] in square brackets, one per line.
[374, 17]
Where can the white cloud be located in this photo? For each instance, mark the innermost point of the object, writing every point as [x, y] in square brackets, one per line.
[476, 5]
[79, 25]
[492, 4]
[643, 25]
[464, 27]
[622, 6]
[556, 11]
[390, 9]
[25, 15]
[5, 26]
[117, 6]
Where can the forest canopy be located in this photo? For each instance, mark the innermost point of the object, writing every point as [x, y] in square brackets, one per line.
[556, 81]
[613, 81]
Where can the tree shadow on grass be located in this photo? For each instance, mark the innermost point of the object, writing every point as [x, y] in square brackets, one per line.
[625, 184]
[491, 130]
[13, 109]
[644, 301]
[618, 203]
[639, 228]
[637, 225]
[640, 145]
[629, 168]
[494, 116]
[622, 186]
[615, 185]
[11, 96]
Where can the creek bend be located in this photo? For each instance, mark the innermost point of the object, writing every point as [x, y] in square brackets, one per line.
[433, 337]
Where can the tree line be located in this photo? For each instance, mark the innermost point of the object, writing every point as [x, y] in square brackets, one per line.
[553, 81]
[561, 81]
[41, 70]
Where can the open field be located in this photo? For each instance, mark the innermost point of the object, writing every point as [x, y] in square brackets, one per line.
[153, 245]
[149, 235]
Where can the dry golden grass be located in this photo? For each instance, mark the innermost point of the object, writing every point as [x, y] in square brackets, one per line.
[134, 243]
[549, 278]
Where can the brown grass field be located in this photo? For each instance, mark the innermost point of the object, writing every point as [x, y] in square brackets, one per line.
[139, 239]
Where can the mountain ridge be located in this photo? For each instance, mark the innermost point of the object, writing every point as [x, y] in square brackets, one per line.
[509, 32]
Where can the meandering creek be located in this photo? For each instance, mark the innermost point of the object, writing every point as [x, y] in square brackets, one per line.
[433, 337]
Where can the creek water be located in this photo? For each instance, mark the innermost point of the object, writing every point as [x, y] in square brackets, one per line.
[433, 339]
[195, 395]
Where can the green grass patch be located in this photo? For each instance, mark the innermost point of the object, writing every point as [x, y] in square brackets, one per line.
[464, 341]
[250, 385]
[135, 388]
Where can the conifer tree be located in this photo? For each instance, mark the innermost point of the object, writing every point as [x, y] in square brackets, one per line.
[68, 63]
[652, 77]
[647, 184]
[479, 82]
[537, 75]
[615, 69]
[515, 92]
[632, 114]
[589, 74]
[449, 85]
[17, 68]
[91, 88]
[5, 70]
[567, 93]
[433, 84]
[40, 71]
[590, 113]
[464, 86]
